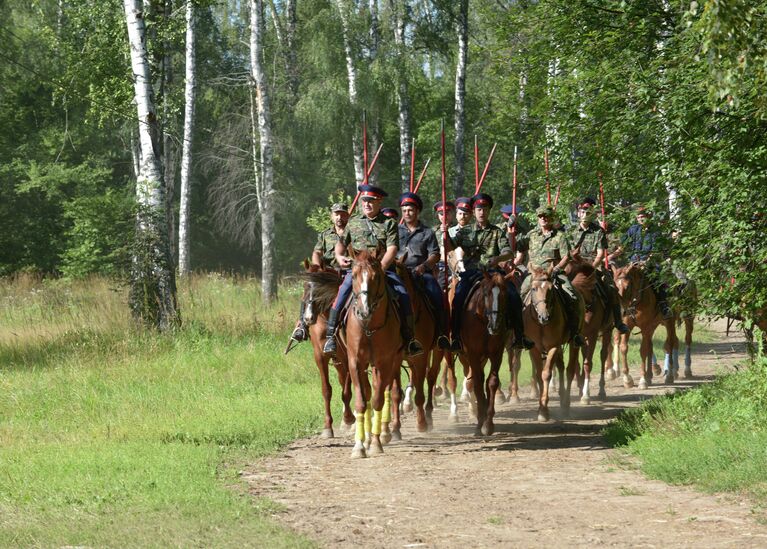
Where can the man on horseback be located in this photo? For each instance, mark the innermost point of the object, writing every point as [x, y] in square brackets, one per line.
[372, 231]
[644, 243]
[324, 254]
[591, 244]
[418, 246]
[548, 245]
[484, 245]
[442, 210]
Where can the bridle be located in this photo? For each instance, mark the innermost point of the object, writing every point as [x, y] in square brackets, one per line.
[493, 315]
[372, 303]
[543, 316]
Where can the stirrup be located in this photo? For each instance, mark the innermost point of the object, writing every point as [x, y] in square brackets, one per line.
[666, 312]
[299, 334]
[414, 348]
[443, 342]
[622, 328]
[523, 343]
[456, 346]
[578, 340]
[330, 346]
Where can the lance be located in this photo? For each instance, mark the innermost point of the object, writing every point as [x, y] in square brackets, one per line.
[514, 207]
[556, 196]
[445, 301]
[548, 185]
[412, 166]
[487, 167]
[604, 220]
[476, 164]
[418, 183]
[367, 175]
[365, 147]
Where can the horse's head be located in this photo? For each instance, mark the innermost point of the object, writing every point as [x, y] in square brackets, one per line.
[541, 292]
[314, 297]
[368, 283]
[493, 288]
[628, 281]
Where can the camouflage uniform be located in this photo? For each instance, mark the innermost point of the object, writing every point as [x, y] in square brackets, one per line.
[326, 246]
[439, 268]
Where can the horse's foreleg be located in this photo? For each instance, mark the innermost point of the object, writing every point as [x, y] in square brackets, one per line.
[375, 406]
[645, 353]
[392, 431]
[547, 364]
[612, 359]
[493, 382]
[628, 381]
[604, 355]
[431, 390]
[345, 381]
[327, 391]
[360, 402]
[478, 384]
[671, 346]
[515, 363]
[688, 328]
[564, 386]
[417, 377]
[573, 369]
[452, 386]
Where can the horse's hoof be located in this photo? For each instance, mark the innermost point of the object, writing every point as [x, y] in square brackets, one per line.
[453, 418]
[585, 400]
[543, 417]
[478, 432]
[500, 398]
[688, 373]
[656, 369]
[676, 374]
[610, 374]
[465, 397]
[628, 382]
[376, 449]
[488, 429]
[396, 436]
[421, 427]
[669, 379]
[386, 437]
[514, 399]
[438, 391]
[407, 407]
[643, 384]
[327, 433]
[359, 452]
[602, 396]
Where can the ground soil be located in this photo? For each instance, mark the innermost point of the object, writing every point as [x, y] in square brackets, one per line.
[530, 484]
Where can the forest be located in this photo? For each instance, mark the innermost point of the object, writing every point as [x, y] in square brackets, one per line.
[257, 112]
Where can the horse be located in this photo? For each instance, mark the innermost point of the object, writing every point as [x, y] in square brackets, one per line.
[320, 288]
[546, 325]
[640, 310]
[372, 337]
[426, 334]
[597, 324]
[484, 334]
[684, 313]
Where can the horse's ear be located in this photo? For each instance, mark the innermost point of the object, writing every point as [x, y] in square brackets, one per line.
[374, 253]
[352, 253]
[306, 264]
[550, 269]
[614, 269]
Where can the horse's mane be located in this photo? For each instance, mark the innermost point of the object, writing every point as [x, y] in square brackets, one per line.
[326, 285]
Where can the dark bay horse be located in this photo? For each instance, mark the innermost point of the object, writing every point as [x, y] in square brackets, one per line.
[320, 288]
[546, 326]
[484, 335]
[597, 325]
[640, 310]
[372, 337]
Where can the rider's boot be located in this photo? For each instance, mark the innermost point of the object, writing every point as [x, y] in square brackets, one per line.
[618, 318]
[573, 326]
[442, 341]
[412, 347]
[301, 332]
[330, 344]
[665, 310]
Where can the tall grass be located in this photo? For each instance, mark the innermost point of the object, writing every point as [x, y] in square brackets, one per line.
[111, 435]
[713, 437]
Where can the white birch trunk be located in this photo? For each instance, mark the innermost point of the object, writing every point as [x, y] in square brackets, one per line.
[351, 73]
[403, 102]
[153, 285]
[266, 194]
[460, 97]
[186, 155]
[673, 206]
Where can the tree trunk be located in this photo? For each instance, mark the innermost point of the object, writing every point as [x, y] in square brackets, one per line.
[290, 37]
[398, 9]
[265, 193]
[153, 283]
[460, 96]
[169, 149]
[351, 73]
[186, 155]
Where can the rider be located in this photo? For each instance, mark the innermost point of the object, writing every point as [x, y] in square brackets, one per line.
[547, 244]
[371, 230]
[643, 241]
[449, 210]
[324, 253]
[591, 243]
[484, 246]
[419, 247]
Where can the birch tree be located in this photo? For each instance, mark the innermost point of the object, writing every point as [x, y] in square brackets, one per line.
[398, 10]
[153, 283]
[460, 95]
[265, 186]
[186, 155]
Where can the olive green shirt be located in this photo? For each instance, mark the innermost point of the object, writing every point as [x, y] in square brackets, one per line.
[371, 234]
[326, 246]
[480, 244]
[594, 239]
[545, 250]
[438, 231]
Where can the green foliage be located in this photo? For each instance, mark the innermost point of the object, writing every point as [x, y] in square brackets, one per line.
[319, 218]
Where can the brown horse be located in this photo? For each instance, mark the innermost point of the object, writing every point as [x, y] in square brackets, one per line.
[484, 334]
[640, 310]
[426, 334]
[372, 337]
[320, 288]
[597, 324]
[546, 326]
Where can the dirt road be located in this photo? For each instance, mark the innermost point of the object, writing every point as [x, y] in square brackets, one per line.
[530, 484]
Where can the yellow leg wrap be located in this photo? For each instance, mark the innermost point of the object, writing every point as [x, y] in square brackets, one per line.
[360, 424]
[386, 412]
[368, 419]
[376, 430]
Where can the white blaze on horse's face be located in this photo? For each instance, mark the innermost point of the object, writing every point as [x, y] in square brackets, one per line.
[363, 305]
[308, 313]
[492, 314]
[540, 301]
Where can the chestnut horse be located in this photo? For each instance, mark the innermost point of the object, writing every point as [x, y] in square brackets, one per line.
[640, 310]
[546, 326]
[426, 334]
[372, 337]
[484, 334]
[320, 289]
[597, 324]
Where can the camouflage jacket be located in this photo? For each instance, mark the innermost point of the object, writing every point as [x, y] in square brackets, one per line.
[592, 239]
[546, 250]
[480, 244]
[379, 233]
[326, 246]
